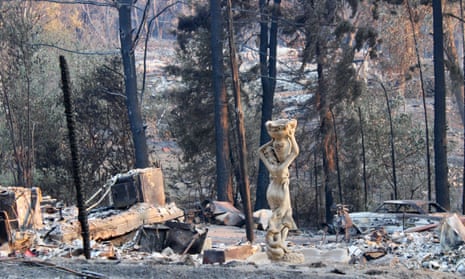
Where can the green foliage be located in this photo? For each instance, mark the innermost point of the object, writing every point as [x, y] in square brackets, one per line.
[19, 88]
[366, 35]
[409, 145]
[30, 79]
[193, 22]
[343, 28]
[350, 159]
[192, 119]
[34, 143]
[102, 130]
[104, 137]
[345, 79]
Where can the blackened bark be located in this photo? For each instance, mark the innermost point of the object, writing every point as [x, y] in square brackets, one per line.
[440, 141]
[82, 211]
[336, 155]
[223, 170]
[244, 174]
[462, 29]
[365, 183]
[268, 45]
[273, 47]
[130, 81]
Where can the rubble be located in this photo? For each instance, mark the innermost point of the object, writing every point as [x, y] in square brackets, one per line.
[399, 215]
[222, 212]
[262, 218]
[236, 252]
[158, 232]
[21, 207]
[452, 232]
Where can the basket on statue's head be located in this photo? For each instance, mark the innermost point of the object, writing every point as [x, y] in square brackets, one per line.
[280, 131]
[281, 127]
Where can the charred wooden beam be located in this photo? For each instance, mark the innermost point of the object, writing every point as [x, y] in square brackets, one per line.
[103, 227]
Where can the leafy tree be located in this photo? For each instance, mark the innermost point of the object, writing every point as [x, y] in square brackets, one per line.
[408, 141]
[192, 119]
[104, 137]
[18, 23]
[324, 26]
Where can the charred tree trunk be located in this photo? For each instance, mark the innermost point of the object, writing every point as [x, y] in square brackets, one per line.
[130, 81]
[440, 139]
[339, 183]
[317, 190]
[268, 50]
[244, 175]
[223, 169]
[365, 184]
[462, 28]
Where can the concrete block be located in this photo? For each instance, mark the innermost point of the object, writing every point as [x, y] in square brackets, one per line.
[238, 252]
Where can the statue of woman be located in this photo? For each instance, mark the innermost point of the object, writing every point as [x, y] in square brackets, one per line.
[277, 155]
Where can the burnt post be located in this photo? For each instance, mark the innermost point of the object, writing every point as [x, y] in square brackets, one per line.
[82, 214]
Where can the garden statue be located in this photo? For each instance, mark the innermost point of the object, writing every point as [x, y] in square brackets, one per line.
[277, 155]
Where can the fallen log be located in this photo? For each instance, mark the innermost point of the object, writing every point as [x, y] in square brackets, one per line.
[123, 222]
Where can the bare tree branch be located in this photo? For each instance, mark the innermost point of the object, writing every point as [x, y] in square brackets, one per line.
[150, 23]
[114, 93]
[141, 25]
[95, 3]
[110, 52]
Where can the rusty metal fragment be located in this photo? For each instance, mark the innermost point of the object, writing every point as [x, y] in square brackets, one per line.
[343, 221]
[399, 215]
[152, 238]
[185, 238]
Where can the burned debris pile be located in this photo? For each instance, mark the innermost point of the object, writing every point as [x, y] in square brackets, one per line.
[138, 219]
[438, 245]
[139, 225]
